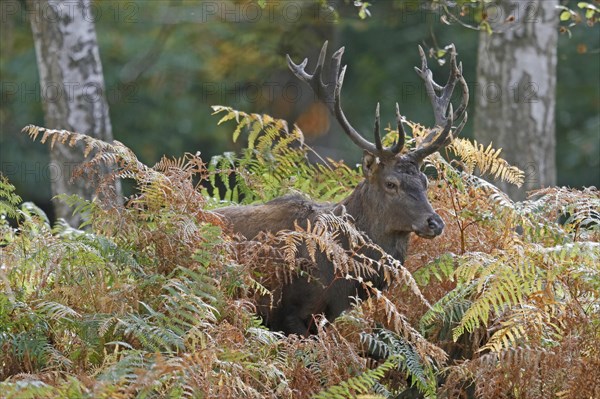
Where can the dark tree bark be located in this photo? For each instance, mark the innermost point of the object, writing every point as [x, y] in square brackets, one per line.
[73, 91]
[516, 94]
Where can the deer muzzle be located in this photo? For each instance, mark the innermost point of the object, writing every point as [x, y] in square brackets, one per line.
[433, 227]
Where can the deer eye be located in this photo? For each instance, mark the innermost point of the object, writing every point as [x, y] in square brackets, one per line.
[390, 185]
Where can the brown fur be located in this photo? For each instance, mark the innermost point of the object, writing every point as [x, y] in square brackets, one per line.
[388, 205]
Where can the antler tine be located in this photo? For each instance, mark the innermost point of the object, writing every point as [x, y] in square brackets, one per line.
[339, 113]
[465, 95]
[448, 89]
[398, 145]
[456, 76]
[336, 61]
[425, 67]
[442, 106]
[329, 92]
[314, 80]
[440, 103]
[298, 69]
[462, 124]
[378, 144]
[317, 74]
[428, 147]
[430, 88]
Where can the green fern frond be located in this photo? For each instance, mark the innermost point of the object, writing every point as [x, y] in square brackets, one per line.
[8, 199]
[274, 163]
[361, 384]
[154, 332]
[126, 369]
[507, 284]
[441, 268]
[447, 312]
[386, 344]
[56, 311]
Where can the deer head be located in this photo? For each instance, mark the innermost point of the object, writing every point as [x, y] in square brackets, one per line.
[393, 196]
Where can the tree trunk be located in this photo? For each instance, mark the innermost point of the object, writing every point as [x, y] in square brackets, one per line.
[516, 93]
[72, 90]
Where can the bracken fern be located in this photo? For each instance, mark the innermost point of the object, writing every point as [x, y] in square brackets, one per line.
[155, 297]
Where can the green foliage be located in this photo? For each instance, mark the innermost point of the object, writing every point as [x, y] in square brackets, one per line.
[388, 345]
[571, 16]
[358, 385]
[156, 299]
[573, 12]
[9, 200]
[274, 162]
[219, 61]
[530, 290]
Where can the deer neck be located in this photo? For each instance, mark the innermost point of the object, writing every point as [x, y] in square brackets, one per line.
[368, 218]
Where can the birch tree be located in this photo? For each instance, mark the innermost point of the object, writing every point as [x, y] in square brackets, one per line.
[516, 93]
[73, 91]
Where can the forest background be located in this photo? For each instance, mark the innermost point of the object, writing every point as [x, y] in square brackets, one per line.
[166, 62]
[154, 297]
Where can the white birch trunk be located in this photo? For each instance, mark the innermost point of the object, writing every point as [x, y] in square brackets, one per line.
[73, 89]
[516, 89]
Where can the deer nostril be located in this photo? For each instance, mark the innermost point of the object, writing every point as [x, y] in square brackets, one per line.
[436, 224]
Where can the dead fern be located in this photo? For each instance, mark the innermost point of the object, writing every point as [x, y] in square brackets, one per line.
[487, 160]
[155, 299]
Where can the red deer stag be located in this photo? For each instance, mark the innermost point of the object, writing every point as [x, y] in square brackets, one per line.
[388, 205]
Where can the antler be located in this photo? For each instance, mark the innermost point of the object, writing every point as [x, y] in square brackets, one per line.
[442, 108]
[329, 93]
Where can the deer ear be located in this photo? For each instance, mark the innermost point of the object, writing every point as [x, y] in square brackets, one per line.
[370, 164]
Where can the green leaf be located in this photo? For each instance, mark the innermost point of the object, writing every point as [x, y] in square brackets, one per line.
[565, 15]
[487, 27]
[589, 14]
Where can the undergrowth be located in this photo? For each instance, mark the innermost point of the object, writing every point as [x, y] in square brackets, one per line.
[156, 298]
